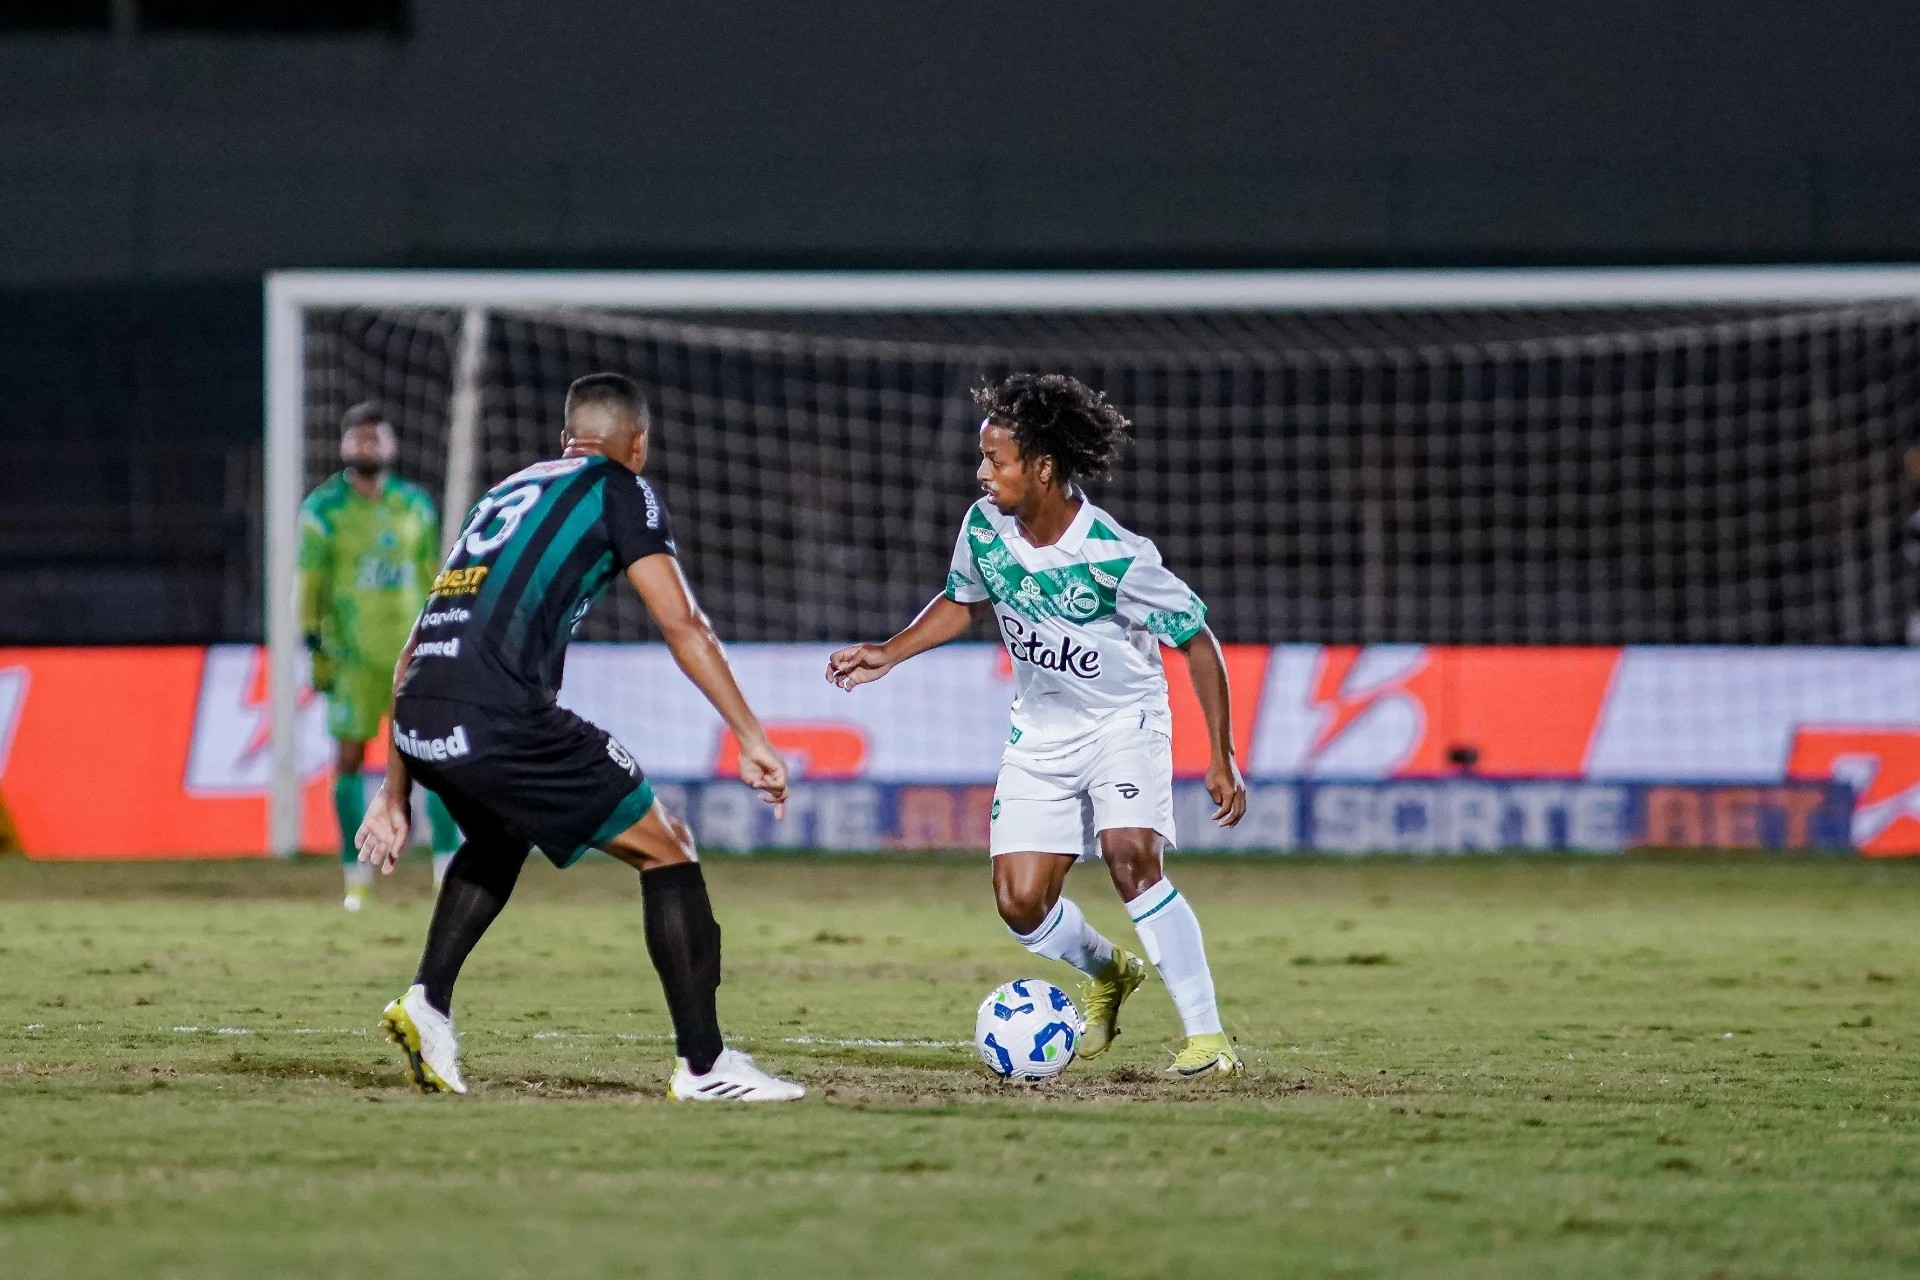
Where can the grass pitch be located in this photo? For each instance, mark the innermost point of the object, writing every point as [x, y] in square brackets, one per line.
[1476, 1068]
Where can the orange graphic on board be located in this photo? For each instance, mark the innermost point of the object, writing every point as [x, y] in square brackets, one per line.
[1246, 675]
[1883, 768]
[1523, 713]
[1343, 703]
[815, 750]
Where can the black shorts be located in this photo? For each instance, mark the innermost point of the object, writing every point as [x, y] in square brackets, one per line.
[539, 776]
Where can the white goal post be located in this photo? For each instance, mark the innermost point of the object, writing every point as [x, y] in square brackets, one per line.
[472, 297]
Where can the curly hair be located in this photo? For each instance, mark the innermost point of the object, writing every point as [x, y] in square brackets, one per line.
[1051, 415]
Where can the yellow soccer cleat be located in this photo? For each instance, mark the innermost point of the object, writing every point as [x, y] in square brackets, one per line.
[425, 1036]
[1207, 1055]
[1101, 998]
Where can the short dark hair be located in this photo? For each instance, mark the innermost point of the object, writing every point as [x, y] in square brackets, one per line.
[615, 390]
[363, 413]
[1051, 415]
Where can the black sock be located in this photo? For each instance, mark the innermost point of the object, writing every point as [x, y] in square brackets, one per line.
[478, 883]
[683, 940]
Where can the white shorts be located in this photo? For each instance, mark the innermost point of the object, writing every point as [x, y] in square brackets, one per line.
[1120, 778]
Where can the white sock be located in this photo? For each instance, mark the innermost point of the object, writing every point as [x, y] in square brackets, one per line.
[1170, 932]
[359, 874]
[1066, 935]
[441, 861]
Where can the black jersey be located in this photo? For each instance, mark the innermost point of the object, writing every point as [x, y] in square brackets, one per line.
[535, 552]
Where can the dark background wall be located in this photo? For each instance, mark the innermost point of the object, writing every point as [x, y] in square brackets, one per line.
[148, 174]
[1272, 132]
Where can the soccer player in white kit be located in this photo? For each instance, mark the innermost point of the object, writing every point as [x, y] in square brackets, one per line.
[1083, 606]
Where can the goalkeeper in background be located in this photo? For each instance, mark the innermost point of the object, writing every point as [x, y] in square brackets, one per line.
[369, 546]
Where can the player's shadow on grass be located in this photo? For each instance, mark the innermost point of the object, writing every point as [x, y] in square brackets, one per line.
[329, 1070]
[870, 1085]
[355, 1074]
[544, 1085]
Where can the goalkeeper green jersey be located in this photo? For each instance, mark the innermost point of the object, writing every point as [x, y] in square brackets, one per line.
[365, 566]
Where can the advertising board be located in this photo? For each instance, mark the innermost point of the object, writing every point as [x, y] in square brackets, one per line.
[162, 752]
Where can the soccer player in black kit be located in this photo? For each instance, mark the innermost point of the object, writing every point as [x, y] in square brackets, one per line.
[476, 721]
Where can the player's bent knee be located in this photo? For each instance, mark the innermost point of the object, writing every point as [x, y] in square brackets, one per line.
[1131, 879]
[682, 847]
[1133, 859]
[1022, 906]
[660, 839]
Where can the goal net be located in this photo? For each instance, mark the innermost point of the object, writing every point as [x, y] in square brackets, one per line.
[1494, 458]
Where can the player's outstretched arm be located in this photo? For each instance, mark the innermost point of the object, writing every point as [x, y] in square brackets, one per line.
[941, 621]
[697, 650]
[1209, 670]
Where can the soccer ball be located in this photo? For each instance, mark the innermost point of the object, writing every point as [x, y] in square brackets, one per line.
[1027, 1030]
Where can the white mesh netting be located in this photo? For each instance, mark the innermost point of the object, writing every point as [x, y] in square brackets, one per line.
[1572, 476]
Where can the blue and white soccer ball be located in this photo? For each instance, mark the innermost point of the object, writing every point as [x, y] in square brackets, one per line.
[1027, 1030]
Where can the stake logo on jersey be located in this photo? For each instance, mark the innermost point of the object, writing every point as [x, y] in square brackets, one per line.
[535, 552]
[1082, 619]
[1027, 646]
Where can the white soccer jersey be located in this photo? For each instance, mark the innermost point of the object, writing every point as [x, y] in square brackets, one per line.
[1083, 620]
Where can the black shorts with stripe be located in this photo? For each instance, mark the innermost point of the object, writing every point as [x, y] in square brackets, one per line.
[538, 776]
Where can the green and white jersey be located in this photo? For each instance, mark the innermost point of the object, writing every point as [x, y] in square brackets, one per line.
[1083, 620]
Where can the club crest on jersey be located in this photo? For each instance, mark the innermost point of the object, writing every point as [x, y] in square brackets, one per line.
[1066, 657]
[619, 755]
[1077, 600]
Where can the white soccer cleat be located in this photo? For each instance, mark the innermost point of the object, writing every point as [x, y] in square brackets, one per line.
[426, 1036]
[734, 1078]
[355, 901]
